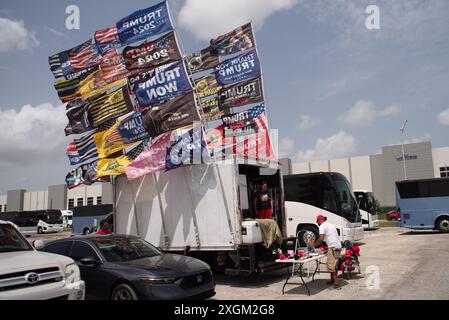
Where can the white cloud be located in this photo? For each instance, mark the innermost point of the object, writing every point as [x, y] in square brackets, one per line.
[364, 113]
[58, 33]
[307, 121]
[423, 138]
[208, 19]
[399, 20]
[14, 36]
[32, 134]
[389, 111]
[338, 145]
[443, 117]
[286, 147]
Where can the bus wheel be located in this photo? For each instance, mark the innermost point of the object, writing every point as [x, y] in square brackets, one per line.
[39, 230]
[307, 234]
[443, 224]
[86, 231]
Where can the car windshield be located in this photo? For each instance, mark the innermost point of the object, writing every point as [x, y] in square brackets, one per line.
[125, 249]
[12, 240]
[348, 204]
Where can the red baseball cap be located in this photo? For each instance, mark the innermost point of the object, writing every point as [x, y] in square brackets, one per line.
[320, 218]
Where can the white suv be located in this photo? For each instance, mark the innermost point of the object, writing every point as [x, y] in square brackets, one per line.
[27, 274]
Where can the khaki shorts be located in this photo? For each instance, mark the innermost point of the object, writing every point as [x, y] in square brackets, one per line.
[332, 258]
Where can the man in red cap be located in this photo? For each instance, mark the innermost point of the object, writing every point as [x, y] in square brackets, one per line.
[329, 234]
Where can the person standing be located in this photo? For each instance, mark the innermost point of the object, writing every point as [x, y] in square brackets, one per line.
[328, 233]
[104, 228]
[263, 202]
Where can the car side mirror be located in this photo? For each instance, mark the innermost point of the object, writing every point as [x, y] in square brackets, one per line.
[89, 261]
[38, 244]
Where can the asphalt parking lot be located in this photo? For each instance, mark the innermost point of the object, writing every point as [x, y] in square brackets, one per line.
[49, 236]
[410, 265]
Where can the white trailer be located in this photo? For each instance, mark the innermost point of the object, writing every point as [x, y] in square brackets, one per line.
[202, 209]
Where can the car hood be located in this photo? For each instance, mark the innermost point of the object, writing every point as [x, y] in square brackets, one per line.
[167, 265]
[27, 260]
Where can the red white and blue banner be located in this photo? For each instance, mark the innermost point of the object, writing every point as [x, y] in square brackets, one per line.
[144, 23]
[245, 122]
[138, 26]
[190, 148]
[163, 84]
[65, 64]
[131, 129]
[152, 54]
[240, 68]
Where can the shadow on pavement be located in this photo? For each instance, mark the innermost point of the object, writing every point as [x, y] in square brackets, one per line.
[298, 288]
[421, 232]
[252, 281]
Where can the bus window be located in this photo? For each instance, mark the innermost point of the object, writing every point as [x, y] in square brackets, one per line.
[439, 188]
[423, 189]
[310, 190]
[329, 200]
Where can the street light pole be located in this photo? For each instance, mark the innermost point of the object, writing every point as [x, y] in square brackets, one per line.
[402, 144]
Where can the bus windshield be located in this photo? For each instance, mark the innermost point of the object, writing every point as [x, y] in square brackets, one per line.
[366, 202]
[348, 204]
[51, 217]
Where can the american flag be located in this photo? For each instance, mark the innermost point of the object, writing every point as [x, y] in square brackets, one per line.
[113, 66]
[255, 120]
[259, 116]
[106, 35]
[83, 56]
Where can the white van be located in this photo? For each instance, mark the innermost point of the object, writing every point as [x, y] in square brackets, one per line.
[28, 274]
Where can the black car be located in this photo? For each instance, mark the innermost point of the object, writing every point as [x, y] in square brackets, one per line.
[121, 267]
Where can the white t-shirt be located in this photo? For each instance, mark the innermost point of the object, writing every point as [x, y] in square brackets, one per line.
[330, 235]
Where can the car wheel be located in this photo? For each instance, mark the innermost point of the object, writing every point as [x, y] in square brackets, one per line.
[307, 234]
[86, 231]
[39, 230]
[123, 292]
[443, 224]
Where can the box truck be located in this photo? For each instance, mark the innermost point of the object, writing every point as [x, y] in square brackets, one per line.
[205, 210]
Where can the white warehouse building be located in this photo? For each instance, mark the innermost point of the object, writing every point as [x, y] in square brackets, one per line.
[56, 197]
[378, 173]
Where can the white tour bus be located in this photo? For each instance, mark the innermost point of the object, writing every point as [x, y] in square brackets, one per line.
[67, 218]
[32, 222]
[368, 209]
[326, 193]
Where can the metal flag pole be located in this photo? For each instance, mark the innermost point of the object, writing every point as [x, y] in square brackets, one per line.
[264, 93]
[199, 110]
[402, 145]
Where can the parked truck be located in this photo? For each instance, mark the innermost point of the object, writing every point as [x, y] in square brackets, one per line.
[205, 210]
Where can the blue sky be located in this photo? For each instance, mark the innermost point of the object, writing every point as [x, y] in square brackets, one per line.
[333, 87]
